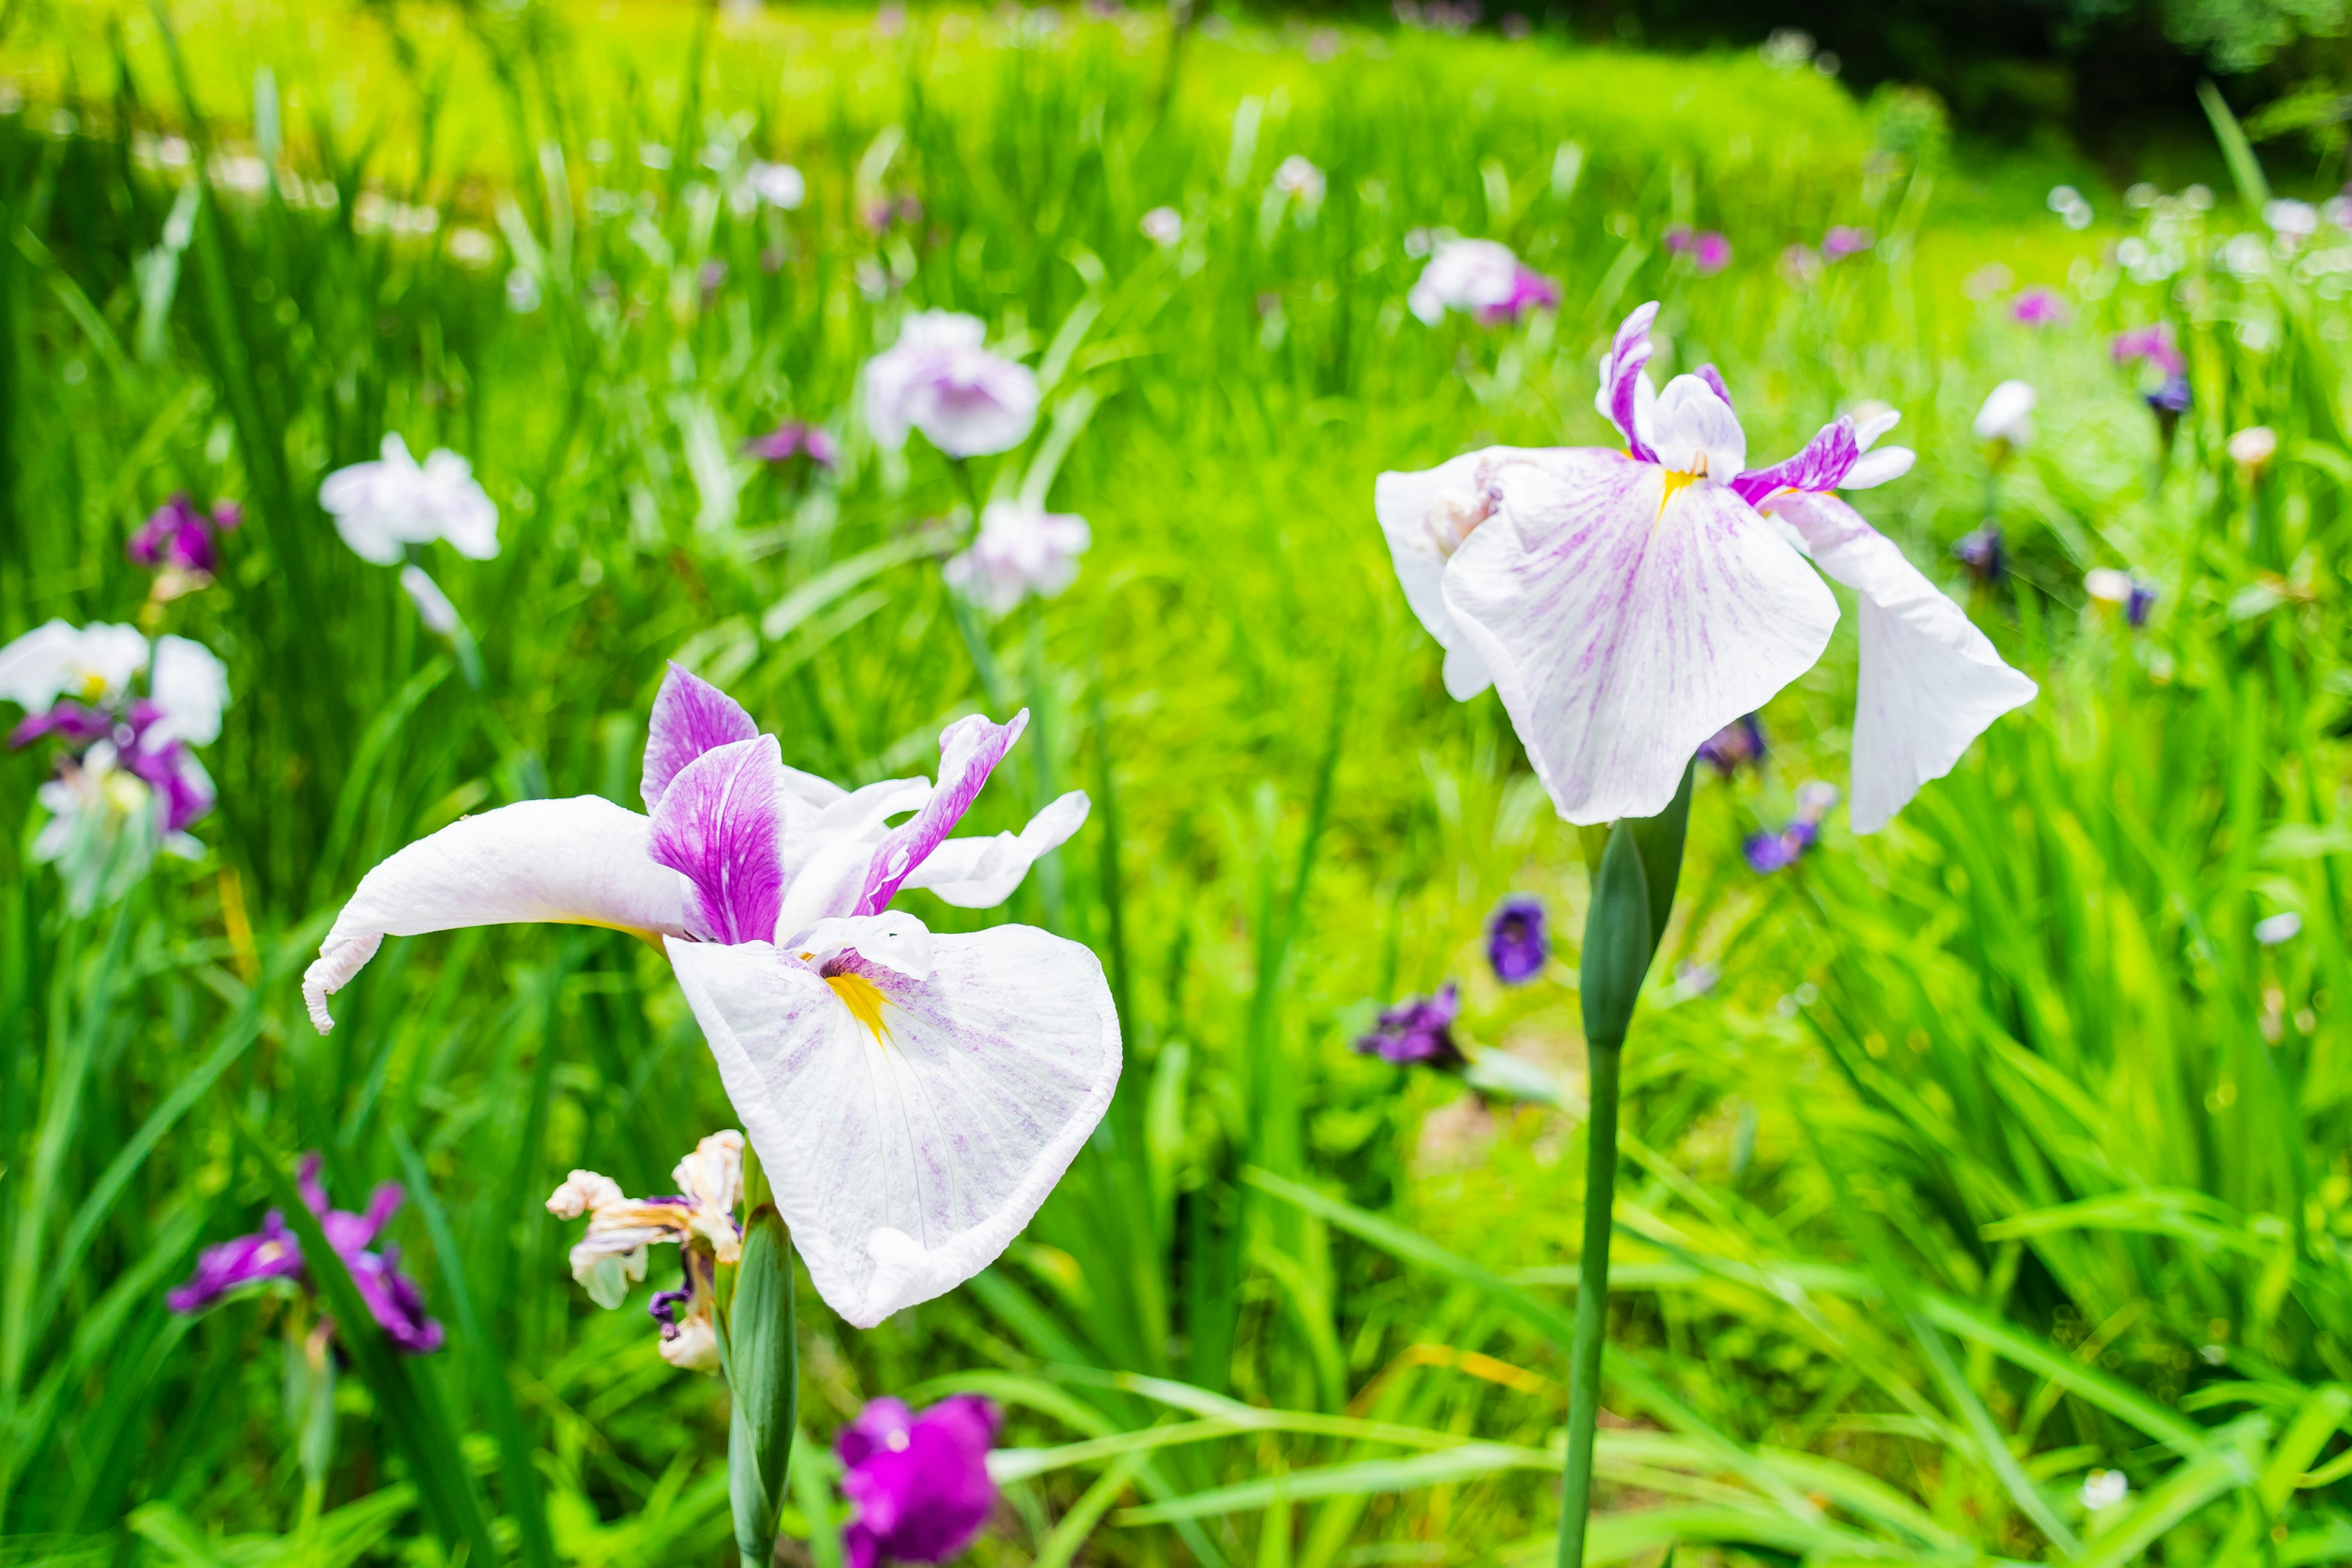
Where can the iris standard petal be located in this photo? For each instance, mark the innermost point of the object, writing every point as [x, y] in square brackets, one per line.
[969, 749]
[690, 717]
[979, 873]
[583, 861]
[190, 685]
[907, 1153]
[1931, 681]
[721, 827]
[1625, 623]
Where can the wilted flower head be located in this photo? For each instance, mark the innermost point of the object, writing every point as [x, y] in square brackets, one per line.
[919, 1482]
[1738, 743]
[275, 1252]
[1020, 550]
[2111, 586]
[938, 379]
[699, 1221]
[1518, 946]
[1162, 225]
[1299, 180]
[2275, 928]
[2152, 344]
[2254, 447]
[2007, 414]
[769, 891]
[177, 538]
[382, 507]
[1770, 852]
[1844, 240]
[1628, 604]
[1708, 250]
[1419, 1029]
[777, 184]
[2039, 306]
[1479, 277]
[795, 439]
[1981, 552]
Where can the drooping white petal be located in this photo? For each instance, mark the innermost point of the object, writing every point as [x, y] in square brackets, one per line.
[1931, 681]
[1425, 517]
[583, 861]
[190, 684]
[1877, 468]
[906, 1160]
[1625, 624]
[978, 873]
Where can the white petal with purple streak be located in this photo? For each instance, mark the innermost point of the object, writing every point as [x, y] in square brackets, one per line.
[978, 873]
[1625, 624]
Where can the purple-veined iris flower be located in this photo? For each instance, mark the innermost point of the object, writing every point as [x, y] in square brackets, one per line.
[275, 1252]
[2039, 306]
[1770, 852]
[913, 1098]
[1518, 946]
[795, 439]
[1418, 1030]
[1479, 277]
[939, 378]
[699, 1220]
[1737, 744]
[1021, 549]
[919, 1482]
[1844, 240]
[178, 538]
[384, 507]
[1626, 605]
[1708, 250]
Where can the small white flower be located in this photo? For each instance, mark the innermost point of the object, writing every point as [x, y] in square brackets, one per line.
[2253, 447]
[778, 185]
[190, 685]
[939, 378]
[472, 247]
[1020, 550]
[1296, 176]
[88, 664]
[2008, 414]
[2291, 220]
[2103, 1490]
[2106, 583]
[381, 507]
[1163, 226]
[2278, 928]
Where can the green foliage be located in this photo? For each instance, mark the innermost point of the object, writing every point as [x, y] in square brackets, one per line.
[1996, 1150]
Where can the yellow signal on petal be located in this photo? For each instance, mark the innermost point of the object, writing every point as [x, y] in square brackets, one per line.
[863, 999]
[1675, 482]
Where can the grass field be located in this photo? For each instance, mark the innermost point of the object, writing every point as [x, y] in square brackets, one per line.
[1963, 1163]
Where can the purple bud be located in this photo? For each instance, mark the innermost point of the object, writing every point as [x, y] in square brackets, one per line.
[1516, 943]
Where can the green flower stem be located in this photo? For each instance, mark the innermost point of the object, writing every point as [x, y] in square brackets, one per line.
[1591, 1299]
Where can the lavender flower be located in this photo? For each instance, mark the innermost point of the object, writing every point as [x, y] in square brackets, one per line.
[795, 439]
[1420, 1029]
[1736, 744]
[177, 538]
[2037, 306]
[275, 1253]
[1708, 250]
[2153, 345]
[1770, 852]
[919, 1482]
[1020, 550]
[1516, 943]
[1844, 240]
[938, 379]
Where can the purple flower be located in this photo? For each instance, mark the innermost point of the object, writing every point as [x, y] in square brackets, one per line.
[1981, 553]
[1739, 742]
[1479, 277]
[1770, 852]
[177, 537]
[2152, 344]
[1710, 251]
[1420, 1029]
[1516, 943]
[1844, 240]
[795, 439]
[2172, 400]
[275, 1253]
[2037, 306]
[921, 1483]
[2137, 597]
[939, 378]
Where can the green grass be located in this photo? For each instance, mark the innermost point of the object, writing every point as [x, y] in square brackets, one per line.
[1999, 1151]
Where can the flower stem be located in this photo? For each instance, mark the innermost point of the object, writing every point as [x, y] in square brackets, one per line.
[1591, 1298]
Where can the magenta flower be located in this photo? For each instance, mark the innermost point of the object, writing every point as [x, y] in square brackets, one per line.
[274, 1252]
[1844, 240]
[177, 537]
[795, 439]
[2037, 306]
[921, 1483]
[1708, 250]
[1418, 1030]
[1516, 943]
[2151, 343]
